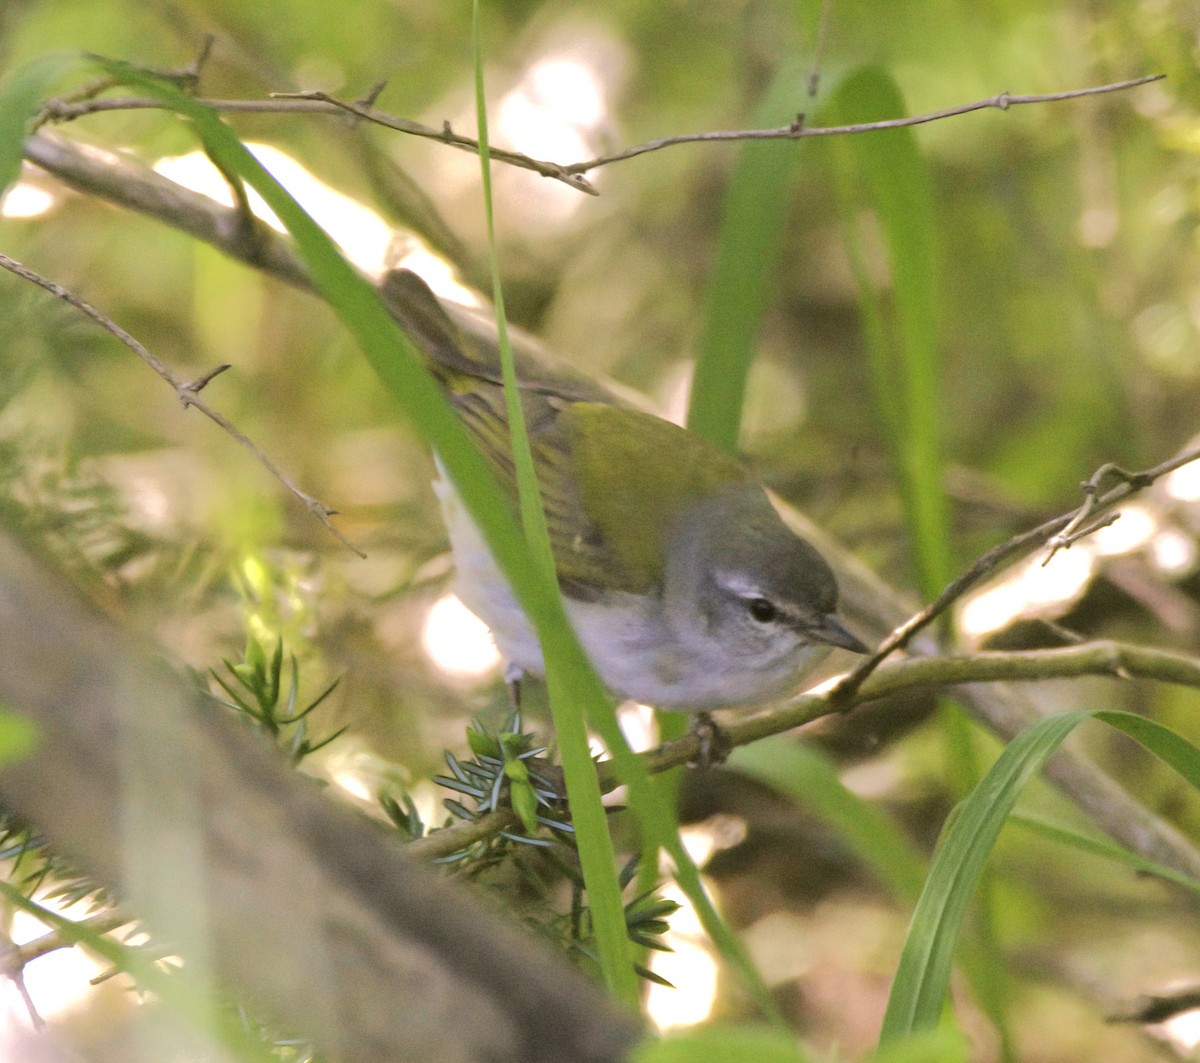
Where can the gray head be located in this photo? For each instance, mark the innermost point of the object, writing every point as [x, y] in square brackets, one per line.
[738, 575]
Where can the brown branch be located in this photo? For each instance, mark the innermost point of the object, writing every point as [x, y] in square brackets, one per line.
[126, 183]
[1102, 658]
[1116, 660]
[188, 392]
[450, 840]
[1059, 533]
[570, 173]
[298, 904]
[104, 923]
[798, 131]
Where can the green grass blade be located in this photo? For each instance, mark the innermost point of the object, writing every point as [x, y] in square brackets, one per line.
[1063, 834]
[22, 92]
[746, 268]
[885, 171]
[1170, 747]
[594, 844]
[919, 990]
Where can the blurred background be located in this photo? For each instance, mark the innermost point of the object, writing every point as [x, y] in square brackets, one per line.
[1065, 257]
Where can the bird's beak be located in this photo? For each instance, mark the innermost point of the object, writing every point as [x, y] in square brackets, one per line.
[830, 630]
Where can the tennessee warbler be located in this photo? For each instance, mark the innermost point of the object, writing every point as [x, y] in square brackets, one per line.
[684, 585]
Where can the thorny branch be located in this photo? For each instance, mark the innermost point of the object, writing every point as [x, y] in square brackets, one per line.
[188, 392]
[798, 131]
[571, 173]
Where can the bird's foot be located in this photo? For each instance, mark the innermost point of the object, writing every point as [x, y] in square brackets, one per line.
[512, 679]
[713, 747]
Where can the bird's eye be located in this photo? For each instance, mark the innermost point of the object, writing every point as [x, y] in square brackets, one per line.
[762, 610]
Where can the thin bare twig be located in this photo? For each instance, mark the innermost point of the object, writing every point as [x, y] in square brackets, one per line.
[188, 392]
[797, 130]
[317, 103]
[12, 967]
[1075, 529]
[572, 173]
[447, 136]
[1058, 533]
[102, 923]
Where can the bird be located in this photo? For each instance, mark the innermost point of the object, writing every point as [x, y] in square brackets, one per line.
[685, 587]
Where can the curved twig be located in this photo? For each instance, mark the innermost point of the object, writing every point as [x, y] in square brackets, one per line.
[187, 391]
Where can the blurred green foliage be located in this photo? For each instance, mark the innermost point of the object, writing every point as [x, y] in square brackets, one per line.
[1064, 238]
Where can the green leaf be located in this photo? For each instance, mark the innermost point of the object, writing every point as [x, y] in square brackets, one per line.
[256, 656]
[521, 795]
[22, 93]
[483, 744]
[1102, 847]
[885, 171]
[516, 771]
[922, 976]
[1171, 748]
[747, 266]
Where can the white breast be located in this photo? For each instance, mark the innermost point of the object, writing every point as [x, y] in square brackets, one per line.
[637, 654]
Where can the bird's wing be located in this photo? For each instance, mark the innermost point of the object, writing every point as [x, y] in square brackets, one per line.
[611, 477]
[462, 349]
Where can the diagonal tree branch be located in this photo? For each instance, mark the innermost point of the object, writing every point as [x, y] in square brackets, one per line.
[251, 862]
